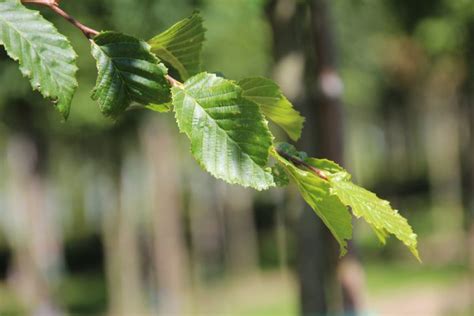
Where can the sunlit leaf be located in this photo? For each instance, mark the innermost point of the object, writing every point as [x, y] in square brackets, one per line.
[45, 56]
[375, 211]
[229, 136]
[274, 104]
[181, 45]
[317, 193]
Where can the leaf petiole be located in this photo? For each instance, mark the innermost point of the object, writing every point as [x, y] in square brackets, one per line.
[298, 162]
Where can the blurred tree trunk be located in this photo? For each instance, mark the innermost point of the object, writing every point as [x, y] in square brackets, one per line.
[303, 40]
[323, 137]
[170, 255]
[290, 28]
[468, 156]
[32, 227]
[206, 226]
[289, 20]
[326, 139]
[121, 242]
[242, 252]
[442, 143]
[284, 200]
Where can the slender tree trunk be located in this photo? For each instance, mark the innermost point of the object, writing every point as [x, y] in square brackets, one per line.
[206, 227]
[170, 254]
[121, 235]
[32, 230]
[325, 139]
[291, 29]
[322, 138]
[443, 147]
[468, 161]
[242, 236]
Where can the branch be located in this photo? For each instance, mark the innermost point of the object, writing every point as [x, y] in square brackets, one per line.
[54, 6]
[298, 162]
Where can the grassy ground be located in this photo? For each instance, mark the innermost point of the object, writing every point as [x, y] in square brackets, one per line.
[392, 276]
[269, 293]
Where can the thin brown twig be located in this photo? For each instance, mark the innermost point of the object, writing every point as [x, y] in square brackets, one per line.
[87, 31]
[53, 5]
[298, 162]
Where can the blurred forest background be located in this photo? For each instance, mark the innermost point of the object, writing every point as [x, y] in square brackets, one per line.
[100, 217]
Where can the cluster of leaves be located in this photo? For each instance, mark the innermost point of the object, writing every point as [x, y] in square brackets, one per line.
[225, 120]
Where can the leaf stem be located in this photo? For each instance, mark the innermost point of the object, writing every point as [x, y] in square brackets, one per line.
[298, 162]
[54, 6]
[173, 82]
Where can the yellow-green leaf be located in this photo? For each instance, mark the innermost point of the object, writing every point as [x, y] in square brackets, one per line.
[274, 104]
[180, 46]
[317, 193]
[375, 211]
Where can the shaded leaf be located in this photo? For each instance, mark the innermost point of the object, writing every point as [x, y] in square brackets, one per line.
[127, 72]
[290, 150]
[279, 175]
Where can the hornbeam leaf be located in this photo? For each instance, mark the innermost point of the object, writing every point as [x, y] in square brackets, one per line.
[229, 136]
[181, 45]
[317, 193]
[127, 72]
[274, 104]
[376, 212]
[45, 56]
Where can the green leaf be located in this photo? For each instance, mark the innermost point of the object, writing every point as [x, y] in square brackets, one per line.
[127, 72]
[161, 108]
[279, 175]
[325, 165]
[317, 193]
[377, 212]
[181, 45]
[45, 56]
[229, 136]
[290, 150]
[274, 104]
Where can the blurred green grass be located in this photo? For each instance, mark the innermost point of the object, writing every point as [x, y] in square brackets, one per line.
[266, 294]
[383, 276]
